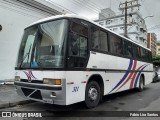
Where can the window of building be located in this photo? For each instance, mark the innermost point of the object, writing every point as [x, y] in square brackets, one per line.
[115, 29]
[101, 23]
[122, 28]
[141, 29]
[137, 27]
[140, 21]
[115, 20]
[108, 22]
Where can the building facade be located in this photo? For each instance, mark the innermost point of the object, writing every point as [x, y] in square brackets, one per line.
[106, 13]
[152, 42]
[158, 48]
[136, 27]
[15, 15]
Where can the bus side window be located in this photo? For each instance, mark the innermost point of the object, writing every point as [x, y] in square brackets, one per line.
[143, 54]
[116, 46]
[146, 56]
[150, 56]
[128, 50]
[77, 46]
[103, 41]
[95, 44]
[137, 53]
[99, 39]
[74, 45]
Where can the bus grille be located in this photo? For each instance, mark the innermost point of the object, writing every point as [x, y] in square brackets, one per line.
[35, 95]
[32, 81]
[27, 91]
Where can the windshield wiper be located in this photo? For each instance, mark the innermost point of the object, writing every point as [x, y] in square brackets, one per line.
[26, 55]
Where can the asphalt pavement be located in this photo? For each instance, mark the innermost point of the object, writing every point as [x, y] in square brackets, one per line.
[131, 100]
[9, 97]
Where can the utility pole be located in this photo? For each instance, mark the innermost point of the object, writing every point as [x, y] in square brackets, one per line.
[125, 24]
[124, 8]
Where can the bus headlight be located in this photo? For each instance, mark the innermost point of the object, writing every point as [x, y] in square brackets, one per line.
[52, 81]
[17, 78]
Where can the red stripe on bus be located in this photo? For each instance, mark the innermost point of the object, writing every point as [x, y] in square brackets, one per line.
[134, 66]
[133, 78]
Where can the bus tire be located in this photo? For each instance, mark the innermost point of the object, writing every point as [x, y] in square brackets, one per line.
[92, 94]
[141, 84]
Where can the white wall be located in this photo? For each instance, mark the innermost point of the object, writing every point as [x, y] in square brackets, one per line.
[13, 18]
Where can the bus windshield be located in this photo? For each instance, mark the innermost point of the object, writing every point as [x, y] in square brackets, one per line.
[43, 45]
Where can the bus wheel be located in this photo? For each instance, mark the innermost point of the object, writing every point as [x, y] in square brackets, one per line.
[141, 84]
[92, 94]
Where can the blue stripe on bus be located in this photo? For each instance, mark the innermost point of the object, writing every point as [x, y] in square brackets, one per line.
[136, 81]
[126, 74]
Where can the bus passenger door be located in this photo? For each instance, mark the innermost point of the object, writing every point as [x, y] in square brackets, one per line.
[76, 62]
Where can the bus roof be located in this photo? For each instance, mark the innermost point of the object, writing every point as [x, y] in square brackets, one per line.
[83, 18]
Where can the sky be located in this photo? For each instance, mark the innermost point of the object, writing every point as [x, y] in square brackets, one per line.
[91, 8]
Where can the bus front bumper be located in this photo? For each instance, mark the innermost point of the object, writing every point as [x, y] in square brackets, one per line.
[51, 94]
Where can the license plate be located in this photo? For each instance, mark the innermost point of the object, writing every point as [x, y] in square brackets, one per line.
[50, 101]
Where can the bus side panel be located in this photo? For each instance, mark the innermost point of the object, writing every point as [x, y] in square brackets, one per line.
[120, 72]
[75, 88]
[113, 68]
[76, 82]
[141, 68]
[115, 72]
[148, 75]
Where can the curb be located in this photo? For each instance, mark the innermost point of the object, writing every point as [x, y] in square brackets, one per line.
[12, 104]
[6, 82]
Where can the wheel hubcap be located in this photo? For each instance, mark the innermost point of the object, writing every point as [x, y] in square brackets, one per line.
[93, 94]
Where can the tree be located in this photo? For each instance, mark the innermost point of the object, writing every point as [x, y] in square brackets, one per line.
[156, 60]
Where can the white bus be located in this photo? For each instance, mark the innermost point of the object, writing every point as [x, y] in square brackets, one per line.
[68, 59]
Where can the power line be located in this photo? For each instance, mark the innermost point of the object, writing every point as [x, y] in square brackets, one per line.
[90, 6]
[95, 5]
[22, 13]
[50, 1]
[80, 4]
[23, 7]
[99, 9]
